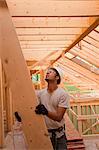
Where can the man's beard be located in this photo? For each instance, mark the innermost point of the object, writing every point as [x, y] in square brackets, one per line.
[47, 80]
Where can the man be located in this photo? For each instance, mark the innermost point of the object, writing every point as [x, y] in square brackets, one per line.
[53, 103]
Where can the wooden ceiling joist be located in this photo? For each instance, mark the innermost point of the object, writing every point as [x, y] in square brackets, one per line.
[41, 49]
[48, 31]
[45, 43]
[46, 22]
[45, 27]
[42, 46]
[54, 8]
[46, 38]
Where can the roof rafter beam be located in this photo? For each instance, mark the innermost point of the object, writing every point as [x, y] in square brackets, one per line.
[43, 60]
[84, 34]
[79, 69]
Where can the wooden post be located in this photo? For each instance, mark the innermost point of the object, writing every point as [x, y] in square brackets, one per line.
[79, 121]
[1, 109]
[9, 110]
[42, 79]
[23, 93]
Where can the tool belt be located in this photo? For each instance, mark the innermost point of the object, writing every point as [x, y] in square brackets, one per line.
[53, 138]
[57, 129]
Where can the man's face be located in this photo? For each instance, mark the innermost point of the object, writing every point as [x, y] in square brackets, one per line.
[50, 75]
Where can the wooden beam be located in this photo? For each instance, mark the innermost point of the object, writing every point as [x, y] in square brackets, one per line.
[23, 93]
[92, 41]
[85, 33]
[84, 101]
[43, 60]
[50, 22]
[47, 31]
[85, 55]
[29, 55]
[46, 38]
[10, 111]
[24, 46]
[90, 52]
[54, 8]
[65, 43]
[89, 46]
[84, 117]
[79, 121]
[94, 34]
[84, 72]
[1, 108]
[80, 81]
[71, 73]
[42, 79]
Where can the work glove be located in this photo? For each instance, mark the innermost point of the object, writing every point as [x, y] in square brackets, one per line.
[41, 109]
[18, 118]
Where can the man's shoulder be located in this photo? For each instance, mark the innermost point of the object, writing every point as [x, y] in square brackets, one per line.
[41, 90]
[62, 91]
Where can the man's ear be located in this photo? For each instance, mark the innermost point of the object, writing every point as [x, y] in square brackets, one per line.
[57, 77]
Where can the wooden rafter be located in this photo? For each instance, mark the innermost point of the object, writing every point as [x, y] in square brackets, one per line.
[80, 70]
[42, 61]
[85, 56]
[77, 78]
[85, 33]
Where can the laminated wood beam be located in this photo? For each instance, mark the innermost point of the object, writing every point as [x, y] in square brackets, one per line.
[23, 93]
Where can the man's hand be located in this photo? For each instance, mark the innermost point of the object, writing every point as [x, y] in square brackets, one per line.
[41, 109]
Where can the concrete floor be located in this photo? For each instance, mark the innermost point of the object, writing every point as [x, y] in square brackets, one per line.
[91, 143]
[17, 142]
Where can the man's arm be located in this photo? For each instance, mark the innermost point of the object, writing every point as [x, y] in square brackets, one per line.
[58, 115]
